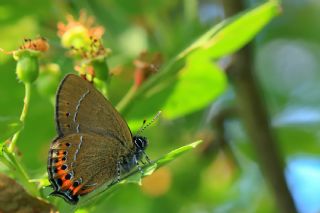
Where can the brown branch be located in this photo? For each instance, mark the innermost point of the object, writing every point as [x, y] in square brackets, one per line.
[254, 115]
[214, 140]
[13, 198]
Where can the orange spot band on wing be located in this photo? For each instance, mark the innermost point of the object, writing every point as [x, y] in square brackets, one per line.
[66, 184]
[76, 189]
[59, 163]
[86, 191]
[61, 172]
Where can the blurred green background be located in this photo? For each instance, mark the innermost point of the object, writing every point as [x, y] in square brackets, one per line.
[204, 180]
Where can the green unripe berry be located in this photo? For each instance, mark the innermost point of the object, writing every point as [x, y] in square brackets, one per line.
[27, 68]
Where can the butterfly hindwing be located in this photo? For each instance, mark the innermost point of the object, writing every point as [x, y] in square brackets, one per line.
[79, 163]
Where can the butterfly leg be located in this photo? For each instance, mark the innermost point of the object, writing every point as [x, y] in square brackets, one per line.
[143, 162]
[137, 163]
[118, 171]
[147, 157]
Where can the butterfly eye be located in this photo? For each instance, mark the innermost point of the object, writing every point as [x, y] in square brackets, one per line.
[140, 142]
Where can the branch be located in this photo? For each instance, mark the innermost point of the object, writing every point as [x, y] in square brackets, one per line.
[255, 118]
[216, 141]
[13, 198]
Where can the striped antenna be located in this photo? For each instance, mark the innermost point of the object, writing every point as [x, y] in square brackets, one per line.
[144, 125]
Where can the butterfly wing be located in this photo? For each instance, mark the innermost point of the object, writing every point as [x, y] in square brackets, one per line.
[81, 108]
[79, 163]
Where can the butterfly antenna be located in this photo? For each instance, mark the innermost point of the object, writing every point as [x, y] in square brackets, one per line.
[144, 125]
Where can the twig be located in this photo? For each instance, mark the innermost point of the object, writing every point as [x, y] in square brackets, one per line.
[15, 199]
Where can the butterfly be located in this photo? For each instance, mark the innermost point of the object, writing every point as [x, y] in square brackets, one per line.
[94, 145]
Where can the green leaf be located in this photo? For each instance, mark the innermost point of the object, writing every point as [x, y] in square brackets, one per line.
[195, 86]
[149, 169]
[233, 33]
[176, 153]
[82, 211]
[135, 176]
[9, 126]
[198, 84]
[190, 81]
[241, 30]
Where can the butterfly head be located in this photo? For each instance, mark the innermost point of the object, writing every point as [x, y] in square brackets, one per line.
[140, 142]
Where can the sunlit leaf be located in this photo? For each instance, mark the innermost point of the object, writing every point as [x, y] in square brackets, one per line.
[82, 211]
[176, 153]
[235, 32]
[191, 81]
[241, 30]
[198, 84]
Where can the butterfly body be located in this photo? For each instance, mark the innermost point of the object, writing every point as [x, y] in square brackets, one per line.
[94, 144]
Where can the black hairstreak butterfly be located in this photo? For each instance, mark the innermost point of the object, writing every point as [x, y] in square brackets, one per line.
[94, 144]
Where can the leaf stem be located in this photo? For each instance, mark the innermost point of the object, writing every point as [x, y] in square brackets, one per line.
[22, 116]
[10, 158]
[135, 93]
[124, 102]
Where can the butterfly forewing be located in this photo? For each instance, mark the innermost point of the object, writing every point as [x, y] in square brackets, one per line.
[80, 108]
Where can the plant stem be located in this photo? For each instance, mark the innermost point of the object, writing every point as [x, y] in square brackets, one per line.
[122, 105]
[135, 93]
[10, 158]
[22, 116]
[190, 10]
